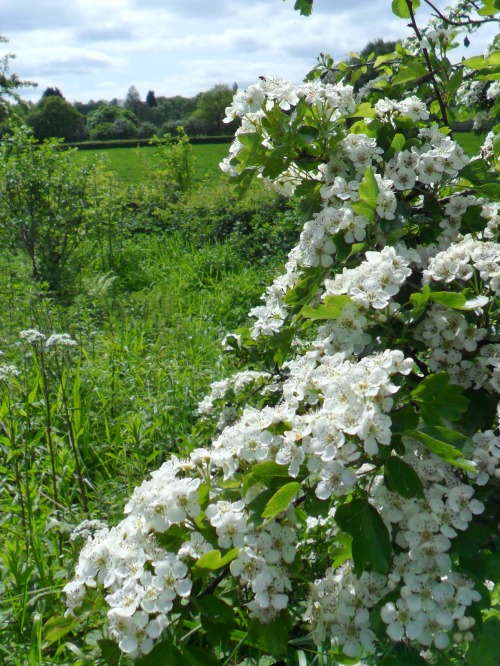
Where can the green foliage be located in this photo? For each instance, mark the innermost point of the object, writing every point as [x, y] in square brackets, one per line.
[9, 84]
[45, 198]
[371, 546]
[175, 156]
[210, 112]
[261, 225]
[55, 117]
[83, 424]
[148, 345]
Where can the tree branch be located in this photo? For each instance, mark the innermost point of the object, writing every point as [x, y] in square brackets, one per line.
[458, 24]
[442, 105]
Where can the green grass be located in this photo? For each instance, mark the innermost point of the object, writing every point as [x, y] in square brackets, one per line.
[131, 164]
[148, 337]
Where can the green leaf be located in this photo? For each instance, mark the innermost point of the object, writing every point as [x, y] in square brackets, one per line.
[371, 544]
[363, 209]
[195, 656]
[400, 8]
[306, 135]
[216, 609]
[57, 627]
[398, 142]
[472, 220]
[364, 110]
[419, 301]
[411, 73]
[455, 81]
[162, 653]
[439, 400]
[490, 190]
[448, 444]
[212, 560]
[306, 287]
[110, 651]
[478, 172]
[282, 343]
[449, 299]
[332, 308]
[368, 189]
[343, 249]
[486, 648]
[382, 59]
[281, 499]
[251, 151]
[482, 410]
[482, 62]
[403, 419]
[217, 618]
[173, 538]
[305, 7]
[490, 7]
[272, 637]
[268, 473]
[401, 478]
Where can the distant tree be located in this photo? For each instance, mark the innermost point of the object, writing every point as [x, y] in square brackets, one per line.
[55, 117]
[52, 92]
[133, 101]
[176, 108]
[235, 86]
[146, 130]
[123, 128]
[108, 113]
[87, 107]
[378, 47]
[151, 100]
[210, 110]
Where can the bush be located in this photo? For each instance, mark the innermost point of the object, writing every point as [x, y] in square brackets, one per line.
[341, 500]
[261, 224]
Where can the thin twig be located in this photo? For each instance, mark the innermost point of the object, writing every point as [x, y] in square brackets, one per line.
[442, 105]
[459, 24]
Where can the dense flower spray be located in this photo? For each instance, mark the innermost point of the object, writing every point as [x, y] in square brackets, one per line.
[350, 473]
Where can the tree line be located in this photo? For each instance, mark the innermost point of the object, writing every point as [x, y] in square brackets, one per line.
[131, 118]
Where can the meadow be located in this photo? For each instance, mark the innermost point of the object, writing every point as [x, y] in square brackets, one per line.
[131, 164]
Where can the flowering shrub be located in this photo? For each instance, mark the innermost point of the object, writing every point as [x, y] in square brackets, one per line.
[348, 503]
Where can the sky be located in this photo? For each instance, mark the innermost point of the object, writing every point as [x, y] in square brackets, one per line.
[97, 49]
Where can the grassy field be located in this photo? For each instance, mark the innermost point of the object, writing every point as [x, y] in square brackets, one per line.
[131, 164]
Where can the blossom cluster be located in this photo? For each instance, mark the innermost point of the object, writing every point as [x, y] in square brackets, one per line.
[333, 425]
[33, 336]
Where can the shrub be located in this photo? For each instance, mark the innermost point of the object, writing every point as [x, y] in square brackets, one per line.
[347, 505]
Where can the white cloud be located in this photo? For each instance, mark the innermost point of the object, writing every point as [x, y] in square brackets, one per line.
[99, 48]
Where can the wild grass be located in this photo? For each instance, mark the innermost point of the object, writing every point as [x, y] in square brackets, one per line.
[83, 425]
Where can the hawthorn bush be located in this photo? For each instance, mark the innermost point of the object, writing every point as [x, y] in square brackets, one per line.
[343, 502]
